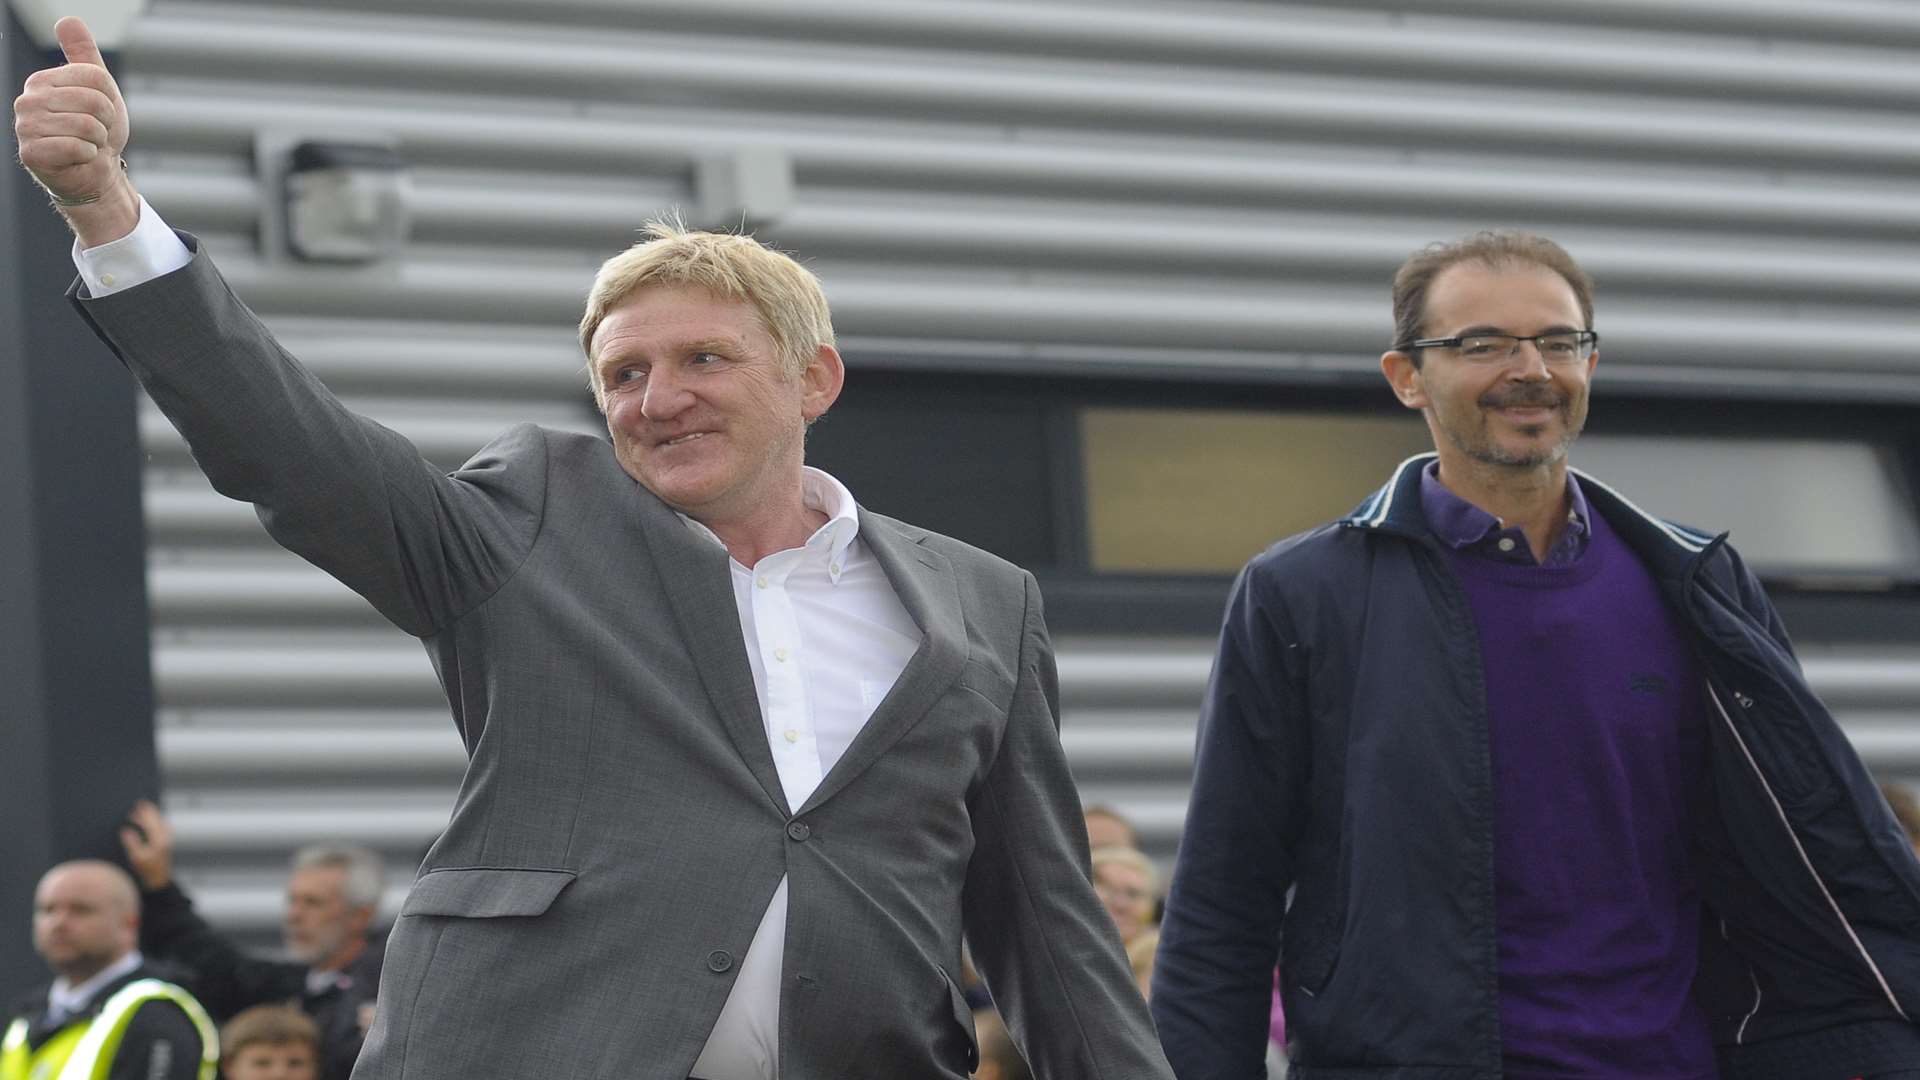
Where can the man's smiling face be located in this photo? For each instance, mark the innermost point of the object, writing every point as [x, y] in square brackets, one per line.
[703, 410]
[1520, 412]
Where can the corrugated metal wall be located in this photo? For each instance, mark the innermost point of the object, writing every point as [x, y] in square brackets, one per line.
[1154, 190]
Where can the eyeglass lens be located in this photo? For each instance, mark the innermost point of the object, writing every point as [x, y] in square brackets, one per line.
[1554, 348]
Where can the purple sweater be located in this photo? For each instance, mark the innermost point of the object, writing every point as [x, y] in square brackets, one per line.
[1597, 730]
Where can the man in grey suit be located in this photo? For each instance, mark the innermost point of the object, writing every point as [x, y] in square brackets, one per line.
[745, 758]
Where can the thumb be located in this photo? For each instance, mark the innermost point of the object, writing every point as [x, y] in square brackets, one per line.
[77, 42]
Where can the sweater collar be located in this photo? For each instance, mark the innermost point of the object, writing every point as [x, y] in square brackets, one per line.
[1396, 508]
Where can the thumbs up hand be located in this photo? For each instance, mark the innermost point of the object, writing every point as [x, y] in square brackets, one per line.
[71, 123]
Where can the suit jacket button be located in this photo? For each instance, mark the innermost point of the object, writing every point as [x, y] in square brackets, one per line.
[798, 830]
[718, 960]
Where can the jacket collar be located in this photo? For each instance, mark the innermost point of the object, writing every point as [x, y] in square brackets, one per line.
[1670, 549]
[694, 573]
[927, 587]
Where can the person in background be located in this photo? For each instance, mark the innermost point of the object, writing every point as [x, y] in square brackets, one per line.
[333, 894]
[1107, 827]
[108, 1015]
[1128, 885]
[270, 1042]
[1906, 810]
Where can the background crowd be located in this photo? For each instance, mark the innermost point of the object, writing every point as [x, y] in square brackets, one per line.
[303, 1016]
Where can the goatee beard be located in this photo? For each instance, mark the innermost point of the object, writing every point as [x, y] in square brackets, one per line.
[1488, 452]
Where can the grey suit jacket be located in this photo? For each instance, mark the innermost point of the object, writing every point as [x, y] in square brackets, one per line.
[621, 829]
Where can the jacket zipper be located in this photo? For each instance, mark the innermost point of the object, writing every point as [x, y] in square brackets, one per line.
[1734, 730]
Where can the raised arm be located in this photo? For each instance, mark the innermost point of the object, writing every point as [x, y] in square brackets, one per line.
[223, 976]
[345, 493]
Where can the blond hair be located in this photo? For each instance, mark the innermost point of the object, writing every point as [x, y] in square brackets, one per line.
[792, 307]
[1126, 856]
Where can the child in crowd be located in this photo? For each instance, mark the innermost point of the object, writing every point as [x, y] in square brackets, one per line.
[270, 1042]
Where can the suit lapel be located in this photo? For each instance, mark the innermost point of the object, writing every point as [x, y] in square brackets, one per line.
[924, 581]
[698, 579]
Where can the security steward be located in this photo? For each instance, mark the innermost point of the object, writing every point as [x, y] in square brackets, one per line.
[107, 1015]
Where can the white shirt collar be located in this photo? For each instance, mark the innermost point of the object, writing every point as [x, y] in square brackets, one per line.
[71, 999]
[818, 491]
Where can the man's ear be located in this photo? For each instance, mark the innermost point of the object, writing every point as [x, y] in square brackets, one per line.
[820, 382]
[1405, 378]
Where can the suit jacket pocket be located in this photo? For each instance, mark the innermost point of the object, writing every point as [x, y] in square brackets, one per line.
[486, 892]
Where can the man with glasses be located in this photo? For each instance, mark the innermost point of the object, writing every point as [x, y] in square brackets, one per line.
[1522, 781]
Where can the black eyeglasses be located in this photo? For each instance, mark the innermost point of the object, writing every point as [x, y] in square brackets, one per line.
[1560, 347]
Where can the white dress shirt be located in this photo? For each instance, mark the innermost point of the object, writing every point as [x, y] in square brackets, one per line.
[825, 635]
[66, 1000]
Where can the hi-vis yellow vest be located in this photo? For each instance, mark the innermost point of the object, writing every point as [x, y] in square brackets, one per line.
[85, 1050]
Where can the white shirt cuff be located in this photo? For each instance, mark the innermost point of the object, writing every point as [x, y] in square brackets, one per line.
[147, 252]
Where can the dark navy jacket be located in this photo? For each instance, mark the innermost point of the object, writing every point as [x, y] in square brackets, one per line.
[1343, 755]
